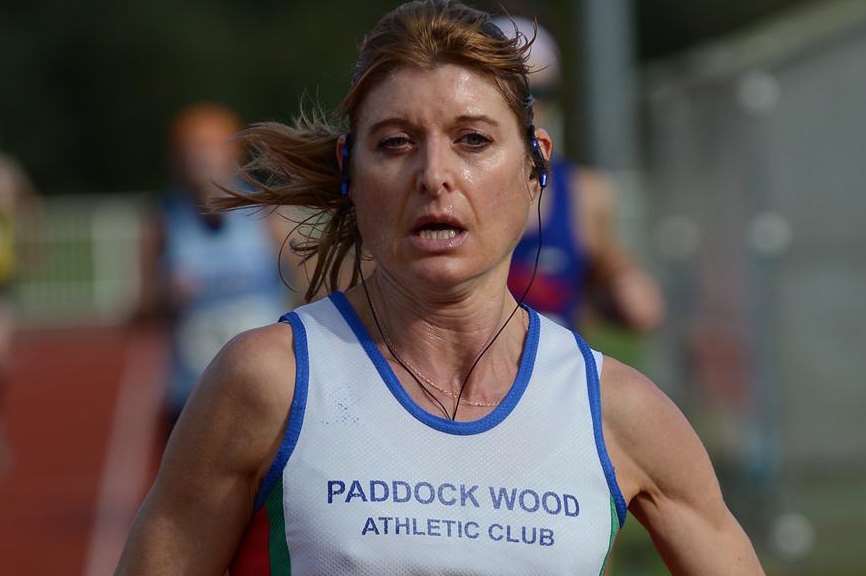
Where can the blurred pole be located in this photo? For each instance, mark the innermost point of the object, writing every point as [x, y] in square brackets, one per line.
[609, 82]
[609, 86]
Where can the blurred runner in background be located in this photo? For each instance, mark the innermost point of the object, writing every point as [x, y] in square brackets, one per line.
[16, 196]
[582, 258]
[211, 274]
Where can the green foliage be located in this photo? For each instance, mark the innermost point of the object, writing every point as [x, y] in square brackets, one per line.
[89, 87]
[95, 84]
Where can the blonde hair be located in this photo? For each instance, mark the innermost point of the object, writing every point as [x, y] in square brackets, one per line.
[296, 165]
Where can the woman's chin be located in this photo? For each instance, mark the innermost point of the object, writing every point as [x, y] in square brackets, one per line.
[439, 273]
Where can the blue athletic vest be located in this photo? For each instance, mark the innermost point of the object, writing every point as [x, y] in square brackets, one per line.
[368, 483]
[558, 286]
[234, 271]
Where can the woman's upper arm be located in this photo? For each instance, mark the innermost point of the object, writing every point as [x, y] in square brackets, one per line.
[223, 443]
[665, 472]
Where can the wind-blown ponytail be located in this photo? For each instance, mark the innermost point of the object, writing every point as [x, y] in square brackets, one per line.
[296, 166]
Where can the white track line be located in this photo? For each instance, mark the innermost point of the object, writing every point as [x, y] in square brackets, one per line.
[127, 456]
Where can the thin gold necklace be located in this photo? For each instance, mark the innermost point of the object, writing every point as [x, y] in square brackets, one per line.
[426, 379]
[450, 415]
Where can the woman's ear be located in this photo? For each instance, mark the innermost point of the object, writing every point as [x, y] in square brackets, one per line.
[544, 142]
[542, 145]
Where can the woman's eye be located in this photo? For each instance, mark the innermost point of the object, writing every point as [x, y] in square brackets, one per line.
[394, 143]
[474, 140]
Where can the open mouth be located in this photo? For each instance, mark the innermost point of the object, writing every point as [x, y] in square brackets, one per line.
[440, 231]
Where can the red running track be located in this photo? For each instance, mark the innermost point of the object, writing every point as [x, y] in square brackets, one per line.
[80, 417]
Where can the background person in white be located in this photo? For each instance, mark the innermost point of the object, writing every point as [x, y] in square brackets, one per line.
[209, 274]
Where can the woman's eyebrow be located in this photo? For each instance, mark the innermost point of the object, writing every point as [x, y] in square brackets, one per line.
[404, 123]
[390, 121]
[465, 118]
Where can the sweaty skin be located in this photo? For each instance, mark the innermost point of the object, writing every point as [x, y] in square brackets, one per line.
[418, 154]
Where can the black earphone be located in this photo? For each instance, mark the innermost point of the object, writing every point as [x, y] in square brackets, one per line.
[534, 147]
[537, 158]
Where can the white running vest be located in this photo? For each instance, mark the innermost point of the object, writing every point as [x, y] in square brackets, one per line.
[372, 485]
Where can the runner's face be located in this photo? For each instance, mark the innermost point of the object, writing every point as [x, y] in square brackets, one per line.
[440, 176]
[204, 154]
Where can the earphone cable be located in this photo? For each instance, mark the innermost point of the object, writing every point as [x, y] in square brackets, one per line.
[513, 312]
[399, 360]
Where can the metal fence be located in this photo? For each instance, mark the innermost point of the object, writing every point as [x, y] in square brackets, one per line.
[79, 261]
[757, 163]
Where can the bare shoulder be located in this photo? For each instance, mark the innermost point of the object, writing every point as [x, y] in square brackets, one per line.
[237, 413]
[653, 446]
[218, 452]
[631, 399]
[666, 476]
[256, 367]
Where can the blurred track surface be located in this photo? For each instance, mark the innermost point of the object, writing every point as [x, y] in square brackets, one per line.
[80, 415]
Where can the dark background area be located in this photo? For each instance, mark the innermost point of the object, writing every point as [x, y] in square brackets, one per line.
[89, 87]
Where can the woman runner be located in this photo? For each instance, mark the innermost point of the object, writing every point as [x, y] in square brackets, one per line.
[423, 421]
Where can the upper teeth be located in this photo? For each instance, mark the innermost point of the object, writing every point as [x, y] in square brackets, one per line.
[446, 234]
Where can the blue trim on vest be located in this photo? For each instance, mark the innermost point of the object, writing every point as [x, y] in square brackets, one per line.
[594, 389]
[296, 411]
[524, 372]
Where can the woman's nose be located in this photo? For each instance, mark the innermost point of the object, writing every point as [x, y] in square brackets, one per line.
[435, 171]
